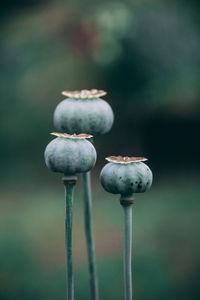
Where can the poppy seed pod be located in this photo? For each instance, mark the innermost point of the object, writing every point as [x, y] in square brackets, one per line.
[70, 154]
[83, 111]
[126, 175]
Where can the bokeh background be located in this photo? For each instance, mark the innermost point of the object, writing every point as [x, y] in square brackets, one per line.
[146, 55]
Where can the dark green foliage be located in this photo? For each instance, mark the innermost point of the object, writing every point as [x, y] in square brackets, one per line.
[145, 54]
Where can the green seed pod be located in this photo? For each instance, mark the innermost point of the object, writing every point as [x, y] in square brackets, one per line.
[126, 175]
[70, 154]
[82, 112]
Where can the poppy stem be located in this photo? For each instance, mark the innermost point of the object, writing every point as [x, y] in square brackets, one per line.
[87, 199]
[127, 208]
[69, 183]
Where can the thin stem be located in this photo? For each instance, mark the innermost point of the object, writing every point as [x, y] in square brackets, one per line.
[86, 181]
[69, 187]
[127, 251]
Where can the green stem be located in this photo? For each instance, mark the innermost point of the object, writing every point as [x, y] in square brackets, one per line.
[86, 181]
[69, 188]
[127, 251]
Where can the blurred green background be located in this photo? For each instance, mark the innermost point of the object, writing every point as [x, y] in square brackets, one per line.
[146, 55]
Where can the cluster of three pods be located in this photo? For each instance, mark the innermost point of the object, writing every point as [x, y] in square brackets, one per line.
[72, 153]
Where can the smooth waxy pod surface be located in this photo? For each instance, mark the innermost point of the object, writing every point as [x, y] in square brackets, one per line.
[126, 175]
[70, 154]
[83, 111]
